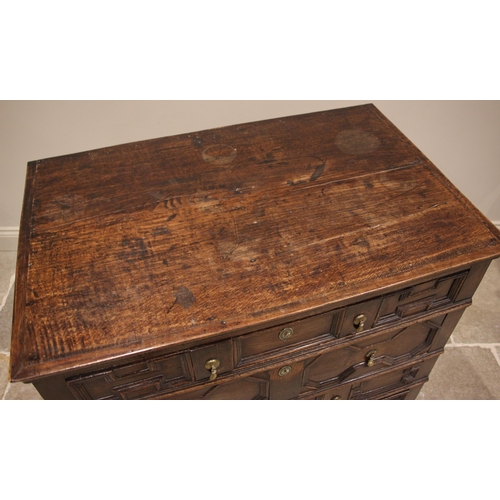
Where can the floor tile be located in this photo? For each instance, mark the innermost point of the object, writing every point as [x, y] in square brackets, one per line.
[7, 270]
[463, 373]
[6, 322]
[481, 321]
[4, 373]
[19, 390]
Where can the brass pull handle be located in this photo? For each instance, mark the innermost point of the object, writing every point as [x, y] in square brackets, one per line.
[359, 322]
[370, 357]
[212, 365]
[285, 334]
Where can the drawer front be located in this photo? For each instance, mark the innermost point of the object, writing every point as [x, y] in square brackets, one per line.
[404, 304]
[280, 338]
[344, 372]
[409, 393]
[132, 381]
[372, 353]
[240, 389]
[387, 392]
[149, 377]
[219, 355]
[400, 383]
[282, 382]
[421, 298]
[403, 382]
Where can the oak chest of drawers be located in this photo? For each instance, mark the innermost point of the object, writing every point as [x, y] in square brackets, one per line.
[319, 256]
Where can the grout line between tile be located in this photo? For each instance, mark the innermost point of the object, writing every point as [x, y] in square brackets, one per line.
[11, 283]
[5, 392]
[484, 345]
[2, 305]
[8, 383]
[495, 355]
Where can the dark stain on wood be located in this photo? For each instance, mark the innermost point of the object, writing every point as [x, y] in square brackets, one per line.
[134, 249]
[219, 154]
[160, 231]
[197, 141]
[355, 141]
[184, 297]
[318, 172]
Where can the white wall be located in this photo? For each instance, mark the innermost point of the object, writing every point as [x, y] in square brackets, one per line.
[460, 137]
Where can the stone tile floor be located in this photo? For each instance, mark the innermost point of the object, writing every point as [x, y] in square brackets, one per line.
[469, 369]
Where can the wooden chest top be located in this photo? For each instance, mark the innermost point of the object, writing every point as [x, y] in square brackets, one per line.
[182, 240]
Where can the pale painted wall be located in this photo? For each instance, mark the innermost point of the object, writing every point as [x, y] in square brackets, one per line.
[461, 137]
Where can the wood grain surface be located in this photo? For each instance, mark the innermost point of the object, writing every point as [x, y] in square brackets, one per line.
[166, 242]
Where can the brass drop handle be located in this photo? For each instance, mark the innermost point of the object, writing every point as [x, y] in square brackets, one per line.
[212, 365]
[359, 322]
[370, 357]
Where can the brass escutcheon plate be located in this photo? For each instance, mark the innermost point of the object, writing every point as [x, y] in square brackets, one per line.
[284, 371]
[286, 333]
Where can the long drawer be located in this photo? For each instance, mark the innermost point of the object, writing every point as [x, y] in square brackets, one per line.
[401, 382]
